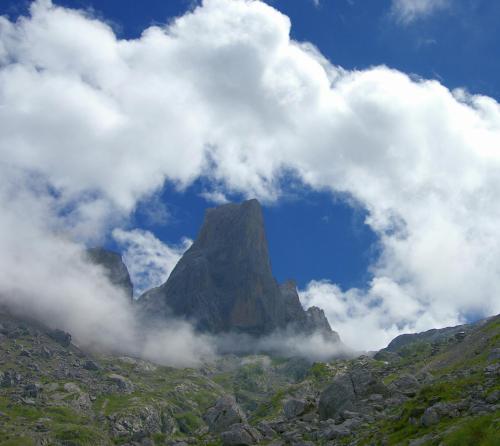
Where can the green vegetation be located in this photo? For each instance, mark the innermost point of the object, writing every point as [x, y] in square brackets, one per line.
[269, 408]
[18, 441]
[188, 422]
[81, 435]
[479, 431]
[319, 371]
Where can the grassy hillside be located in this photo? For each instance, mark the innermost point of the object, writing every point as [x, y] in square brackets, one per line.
[444, 392]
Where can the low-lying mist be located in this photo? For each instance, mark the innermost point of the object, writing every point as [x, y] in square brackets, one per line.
[46, 276]
[284, 343]
[58, 287]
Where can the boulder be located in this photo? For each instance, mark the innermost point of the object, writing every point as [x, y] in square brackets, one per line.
[338, 396]
[10, 378]
[294, 407]
[430, 417]
[32, 390]
[71, 388]
[224, 414]
[60, 336]
[349, 389]
[492, 370]
[493, 397]
[406, 384]
[123, 384]
[266, 430]
[334, 432]
[82, 403]
[137, 423]
[494, 354]
[91, 365]
[240, 435]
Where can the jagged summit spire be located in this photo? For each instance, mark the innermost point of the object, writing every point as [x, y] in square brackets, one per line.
[224, 280]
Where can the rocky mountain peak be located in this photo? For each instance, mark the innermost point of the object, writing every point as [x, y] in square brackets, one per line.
[224, 282]
[114, 268]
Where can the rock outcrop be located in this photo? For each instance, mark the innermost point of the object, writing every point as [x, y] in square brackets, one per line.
[224, 281]
[114, 268]
[224, 414]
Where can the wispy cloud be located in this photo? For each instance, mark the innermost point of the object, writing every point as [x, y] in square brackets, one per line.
[214, 196]
[408, 11]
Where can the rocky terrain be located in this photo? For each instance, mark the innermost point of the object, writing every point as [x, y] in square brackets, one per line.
[440, 387]
[442, 391]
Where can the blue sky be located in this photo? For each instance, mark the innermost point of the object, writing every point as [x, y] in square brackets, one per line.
[311, 235]
[375, 155]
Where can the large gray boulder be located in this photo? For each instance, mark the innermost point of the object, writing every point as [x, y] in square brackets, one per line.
[338, 396]
[224, 414]
[113, 267]
[61, 337]
[348, 390]
[406, 384]
[240, 435]
[224, 281]
[138, 422]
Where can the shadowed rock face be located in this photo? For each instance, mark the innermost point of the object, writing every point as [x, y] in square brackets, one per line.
[114, 268]
[224, 281]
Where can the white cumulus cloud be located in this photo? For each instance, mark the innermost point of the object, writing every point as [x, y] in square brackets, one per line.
[90, 124]
[148, 259]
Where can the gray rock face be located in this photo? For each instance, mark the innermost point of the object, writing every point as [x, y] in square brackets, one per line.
[60, 337]
[224, 414]
[406, 384]
[348, 390]
[123, 384]
[240, 435]
[494, 354]
[224, 281]
[317, 321]
[430, 417]
[139, 423]
[115, 269]
[309, 321]
[294, 407]
[337, 397]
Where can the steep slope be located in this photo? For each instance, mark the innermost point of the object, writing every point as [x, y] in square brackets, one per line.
[224, 281]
